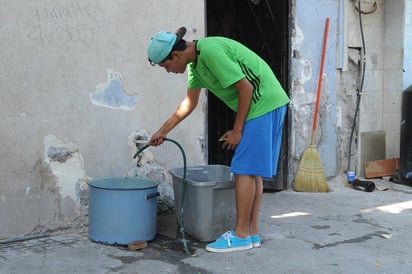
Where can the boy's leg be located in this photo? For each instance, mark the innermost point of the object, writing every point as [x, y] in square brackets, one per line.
[259, 158]
[245, 195]
[254, 217]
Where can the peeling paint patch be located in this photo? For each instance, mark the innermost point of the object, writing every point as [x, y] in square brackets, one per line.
[111, 94]
[66, 164]
[146, 166]
[61, 154]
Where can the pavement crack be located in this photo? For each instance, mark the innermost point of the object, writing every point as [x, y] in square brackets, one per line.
[362, 220]
[351, 241]
[320, 226]
[125, 259]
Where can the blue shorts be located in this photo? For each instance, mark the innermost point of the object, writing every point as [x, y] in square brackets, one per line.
[258, 151]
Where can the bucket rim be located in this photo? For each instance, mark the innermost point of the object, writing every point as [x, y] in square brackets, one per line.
[137, 183]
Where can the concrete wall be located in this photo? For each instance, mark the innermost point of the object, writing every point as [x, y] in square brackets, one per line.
[380, 101]
[381, 97]
[407, 58]
[394, 22]
[75, 83]
[307, 42]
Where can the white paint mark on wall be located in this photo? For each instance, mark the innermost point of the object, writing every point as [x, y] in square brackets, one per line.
[27, 192]
[339, 122]
[302, 100]
[297, 38]
[111, 94]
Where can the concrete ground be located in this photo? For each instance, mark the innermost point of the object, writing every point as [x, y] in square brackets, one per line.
[344, 231]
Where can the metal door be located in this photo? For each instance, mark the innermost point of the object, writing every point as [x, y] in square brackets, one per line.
[263, 26]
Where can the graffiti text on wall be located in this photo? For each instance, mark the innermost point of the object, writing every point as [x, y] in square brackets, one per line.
[74, 22]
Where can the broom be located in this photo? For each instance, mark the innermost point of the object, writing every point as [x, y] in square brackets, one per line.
[310, 176]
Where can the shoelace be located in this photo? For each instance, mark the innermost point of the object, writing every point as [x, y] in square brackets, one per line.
[227, 236]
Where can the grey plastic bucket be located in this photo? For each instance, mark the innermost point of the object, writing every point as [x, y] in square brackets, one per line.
[122, 210]
[209, 202]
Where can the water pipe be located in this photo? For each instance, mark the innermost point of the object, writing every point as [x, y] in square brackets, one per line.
[182, 200]
[360, 88]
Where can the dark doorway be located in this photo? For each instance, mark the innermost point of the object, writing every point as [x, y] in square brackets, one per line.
[263, 26]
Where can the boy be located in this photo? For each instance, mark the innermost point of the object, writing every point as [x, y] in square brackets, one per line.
[247, 85]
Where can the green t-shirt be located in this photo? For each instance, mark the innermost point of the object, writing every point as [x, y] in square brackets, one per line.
[221, 62]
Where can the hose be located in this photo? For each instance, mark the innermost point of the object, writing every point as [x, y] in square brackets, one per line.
[182, 200]
[359, 90]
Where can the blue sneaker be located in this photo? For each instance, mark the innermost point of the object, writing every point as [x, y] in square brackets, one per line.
[256, 241]
[228, 242]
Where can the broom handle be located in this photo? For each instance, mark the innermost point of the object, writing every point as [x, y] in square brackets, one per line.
[315, 120]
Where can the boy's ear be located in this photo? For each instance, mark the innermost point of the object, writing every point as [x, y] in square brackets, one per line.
[176, 54]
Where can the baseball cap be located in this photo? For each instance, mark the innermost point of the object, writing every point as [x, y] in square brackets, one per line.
[162, 43]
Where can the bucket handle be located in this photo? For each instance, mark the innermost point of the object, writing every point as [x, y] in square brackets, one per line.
[152, 195]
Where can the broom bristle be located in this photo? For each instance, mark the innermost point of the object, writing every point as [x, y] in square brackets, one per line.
[310, 176]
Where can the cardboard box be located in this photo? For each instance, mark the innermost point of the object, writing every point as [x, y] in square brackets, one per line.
[380, 168]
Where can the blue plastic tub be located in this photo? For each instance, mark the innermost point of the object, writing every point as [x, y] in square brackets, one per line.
[122, 210]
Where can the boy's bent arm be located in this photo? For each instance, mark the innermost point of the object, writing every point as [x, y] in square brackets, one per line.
[245, 91]
[186, 107]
